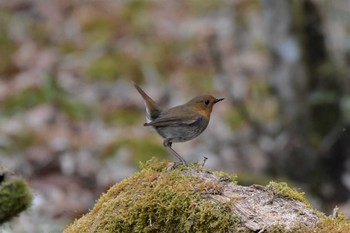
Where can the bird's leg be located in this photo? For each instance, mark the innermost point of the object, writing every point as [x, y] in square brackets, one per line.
[167, 144]
[204, 160]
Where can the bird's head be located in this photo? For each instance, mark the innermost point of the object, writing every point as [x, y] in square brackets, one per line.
[204, 104]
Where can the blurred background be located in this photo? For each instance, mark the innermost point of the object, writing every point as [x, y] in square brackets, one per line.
[71, 122]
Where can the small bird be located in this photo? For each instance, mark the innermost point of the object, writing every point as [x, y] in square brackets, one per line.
[180, 123]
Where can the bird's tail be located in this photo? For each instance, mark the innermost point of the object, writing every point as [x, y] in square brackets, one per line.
[152, 109]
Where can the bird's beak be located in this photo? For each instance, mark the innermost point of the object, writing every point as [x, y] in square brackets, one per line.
[218, 100]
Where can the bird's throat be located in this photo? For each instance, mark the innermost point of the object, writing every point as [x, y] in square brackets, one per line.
[204, 112]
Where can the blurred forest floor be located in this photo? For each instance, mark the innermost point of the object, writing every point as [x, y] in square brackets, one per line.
[72, 124]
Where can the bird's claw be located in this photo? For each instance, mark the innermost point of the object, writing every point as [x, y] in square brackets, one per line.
[204, 160]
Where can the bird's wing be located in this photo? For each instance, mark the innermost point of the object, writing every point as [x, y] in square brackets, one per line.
[173, 119]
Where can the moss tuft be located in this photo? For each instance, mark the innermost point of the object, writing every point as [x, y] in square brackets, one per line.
[331, 224]
[15, 196]
[154, 165]
[226, 176]
[284, 190]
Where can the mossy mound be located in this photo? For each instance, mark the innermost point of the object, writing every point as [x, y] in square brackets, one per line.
[155, 200]
[15, 195]
[161, 198]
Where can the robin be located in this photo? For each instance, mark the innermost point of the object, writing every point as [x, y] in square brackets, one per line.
[180, 123]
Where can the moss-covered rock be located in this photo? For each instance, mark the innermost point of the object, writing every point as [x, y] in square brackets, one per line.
[15, 195]
[167, 198]
[155, 200]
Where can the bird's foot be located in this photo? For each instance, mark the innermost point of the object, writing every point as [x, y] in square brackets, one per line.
[167, 145]
[174, 165]
[204, 160]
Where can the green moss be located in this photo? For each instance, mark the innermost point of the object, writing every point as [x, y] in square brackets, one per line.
[246, 179]
[299, 228]
[278, 228]
[282, 189]
[226, 176]
[340, 224]
[154, 165]
[154, 201]
[15, 197]
[326, 225]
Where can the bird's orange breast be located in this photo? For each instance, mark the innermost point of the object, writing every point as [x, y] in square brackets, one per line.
[204, 112]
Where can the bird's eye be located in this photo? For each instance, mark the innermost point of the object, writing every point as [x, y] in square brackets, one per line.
[207, 102]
